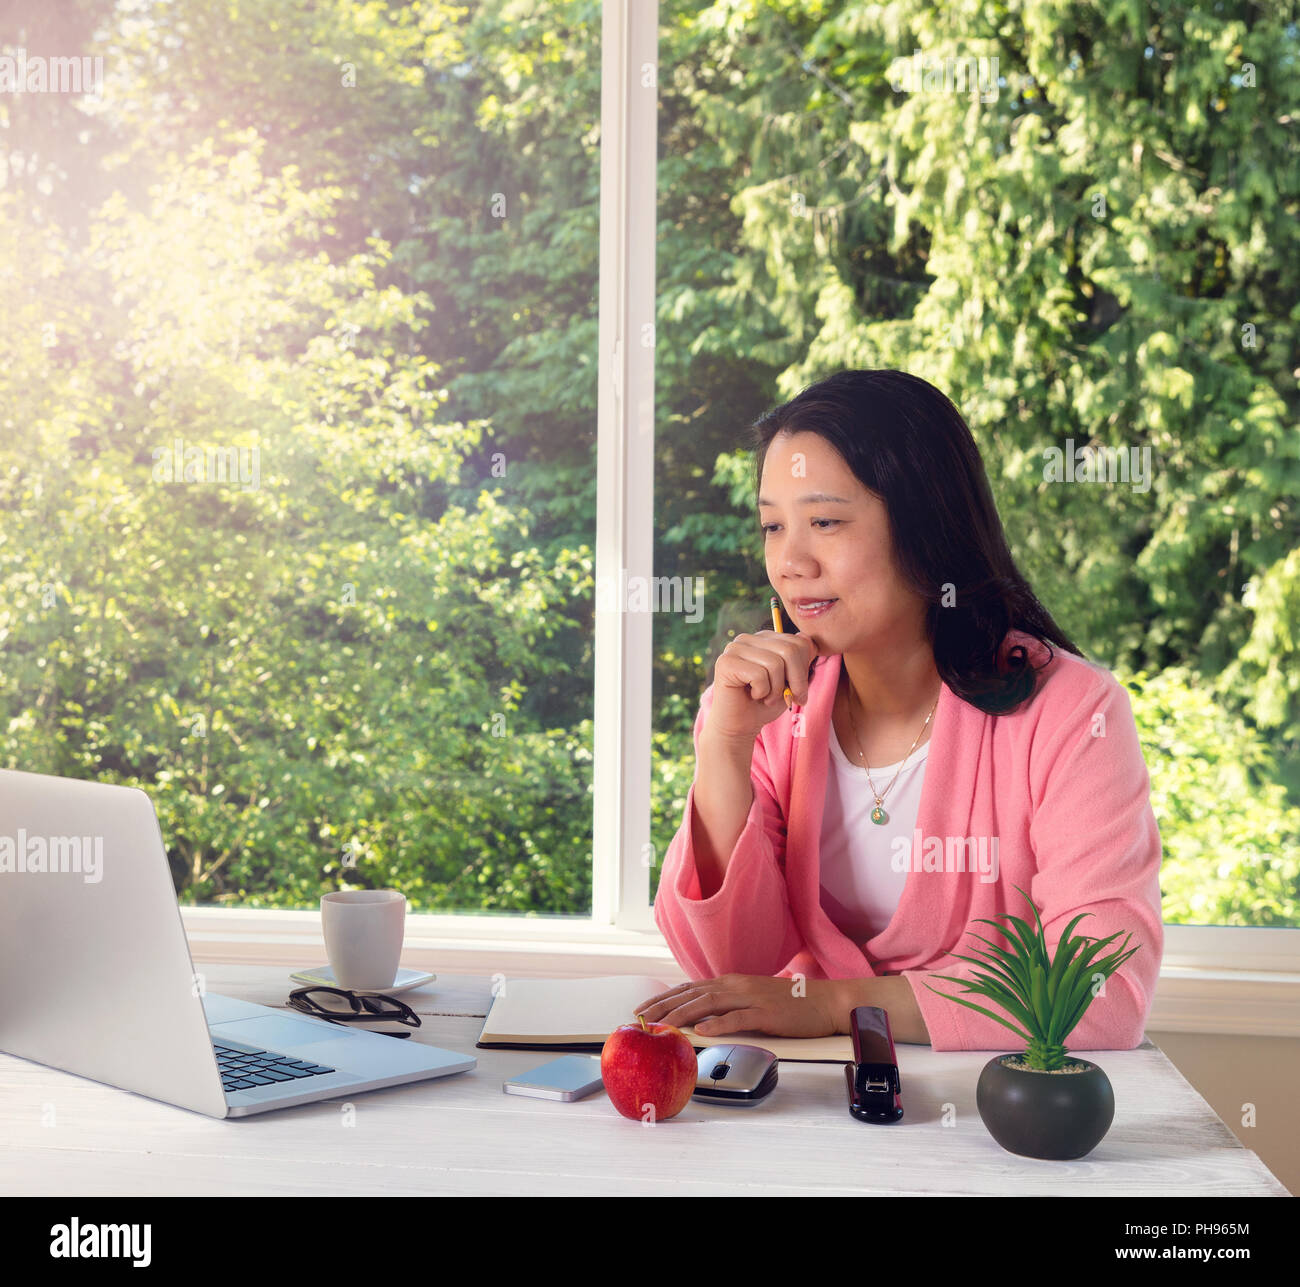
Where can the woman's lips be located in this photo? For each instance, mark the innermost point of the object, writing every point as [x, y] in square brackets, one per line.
[810, 612]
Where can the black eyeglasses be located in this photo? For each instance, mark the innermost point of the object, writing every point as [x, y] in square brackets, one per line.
[339, 1006]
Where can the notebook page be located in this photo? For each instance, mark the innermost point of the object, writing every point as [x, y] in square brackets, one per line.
[566, 1007]
[538, 1010]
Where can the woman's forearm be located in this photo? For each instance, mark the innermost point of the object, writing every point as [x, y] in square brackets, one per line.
[893, 994]
[723, 796]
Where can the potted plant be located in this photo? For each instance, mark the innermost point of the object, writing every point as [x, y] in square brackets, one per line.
[1042, 1103]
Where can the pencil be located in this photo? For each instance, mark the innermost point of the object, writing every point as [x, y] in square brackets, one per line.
[776, 625]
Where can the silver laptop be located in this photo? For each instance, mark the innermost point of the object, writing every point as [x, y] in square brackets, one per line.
[98, 979]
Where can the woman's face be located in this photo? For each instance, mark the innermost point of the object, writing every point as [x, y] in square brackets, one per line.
[827, 537]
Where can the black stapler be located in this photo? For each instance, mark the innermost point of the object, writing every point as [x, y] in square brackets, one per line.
[873, 1076]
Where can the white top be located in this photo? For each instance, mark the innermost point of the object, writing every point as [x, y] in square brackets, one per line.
[860, 887]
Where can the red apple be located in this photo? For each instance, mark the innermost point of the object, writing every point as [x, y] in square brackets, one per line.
[645, 1064]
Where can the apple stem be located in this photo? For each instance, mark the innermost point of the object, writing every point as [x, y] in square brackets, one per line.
[642, 1018]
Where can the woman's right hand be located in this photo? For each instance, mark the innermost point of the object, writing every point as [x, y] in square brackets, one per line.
[749, 681]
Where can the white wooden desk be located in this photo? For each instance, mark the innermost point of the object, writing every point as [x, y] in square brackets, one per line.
[461, 1135]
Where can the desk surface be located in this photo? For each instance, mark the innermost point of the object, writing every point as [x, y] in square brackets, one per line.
[461, 1135]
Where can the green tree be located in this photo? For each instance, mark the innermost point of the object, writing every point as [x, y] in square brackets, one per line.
[361, 240]
[265, 607]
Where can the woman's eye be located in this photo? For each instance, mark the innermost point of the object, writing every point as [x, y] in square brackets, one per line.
[765, 528]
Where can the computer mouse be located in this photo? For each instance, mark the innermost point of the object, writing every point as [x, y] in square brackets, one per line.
[735, 1074]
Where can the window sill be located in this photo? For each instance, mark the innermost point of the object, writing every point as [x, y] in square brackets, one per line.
[455, 944]
[1189, 997]
[1259, 1003]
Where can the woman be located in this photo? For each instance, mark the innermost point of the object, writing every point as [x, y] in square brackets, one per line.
[937, 751]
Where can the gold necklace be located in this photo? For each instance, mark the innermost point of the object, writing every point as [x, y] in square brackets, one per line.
[878, 814]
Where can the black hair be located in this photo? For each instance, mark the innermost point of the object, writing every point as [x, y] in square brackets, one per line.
[909, 445]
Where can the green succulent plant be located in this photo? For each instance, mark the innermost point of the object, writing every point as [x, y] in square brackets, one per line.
[1047, 996]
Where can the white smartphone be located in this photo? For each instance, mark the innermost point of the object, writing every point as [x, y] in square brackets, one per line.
[571, 1077]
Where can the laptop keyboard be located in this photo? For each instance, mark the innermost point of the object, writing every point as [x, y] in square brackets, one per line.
[245, 1067]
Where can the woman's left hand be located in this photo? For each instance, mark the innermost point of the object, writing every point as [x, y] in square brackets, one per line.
[777, 1006]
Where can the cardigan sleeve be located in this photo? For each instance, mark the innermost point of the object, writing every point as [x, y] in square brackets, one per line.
[746, 926]
[1097, 849]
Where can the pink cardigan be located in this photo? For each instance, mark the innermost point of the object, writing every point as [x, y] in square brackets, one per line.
[1061, 786]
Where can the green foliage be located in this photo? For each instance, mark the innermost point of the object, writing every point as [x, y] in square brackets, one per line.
[358, 242]
[1231, 841]
[313, 662]
[1104, 252]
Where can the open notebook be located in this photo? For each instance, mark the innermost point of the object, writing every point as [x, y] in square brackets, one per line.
[578, 1014]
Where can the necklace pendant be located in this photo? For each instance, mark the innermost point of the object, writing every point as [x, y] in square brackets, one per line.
[879, 816]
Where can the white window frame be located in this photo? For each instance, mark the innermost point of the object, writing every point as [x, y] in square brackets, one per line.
[1213, 979]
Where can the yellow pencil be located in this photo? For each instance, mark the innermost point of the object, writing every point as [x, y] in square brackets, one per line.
[776, 625]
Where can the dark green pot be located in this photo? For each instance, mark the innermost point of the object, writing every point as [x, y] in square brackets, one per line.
[1050, 1115]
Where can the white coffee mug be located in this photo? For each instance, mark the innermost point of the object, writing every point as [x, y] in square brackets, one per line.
[363, 931]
